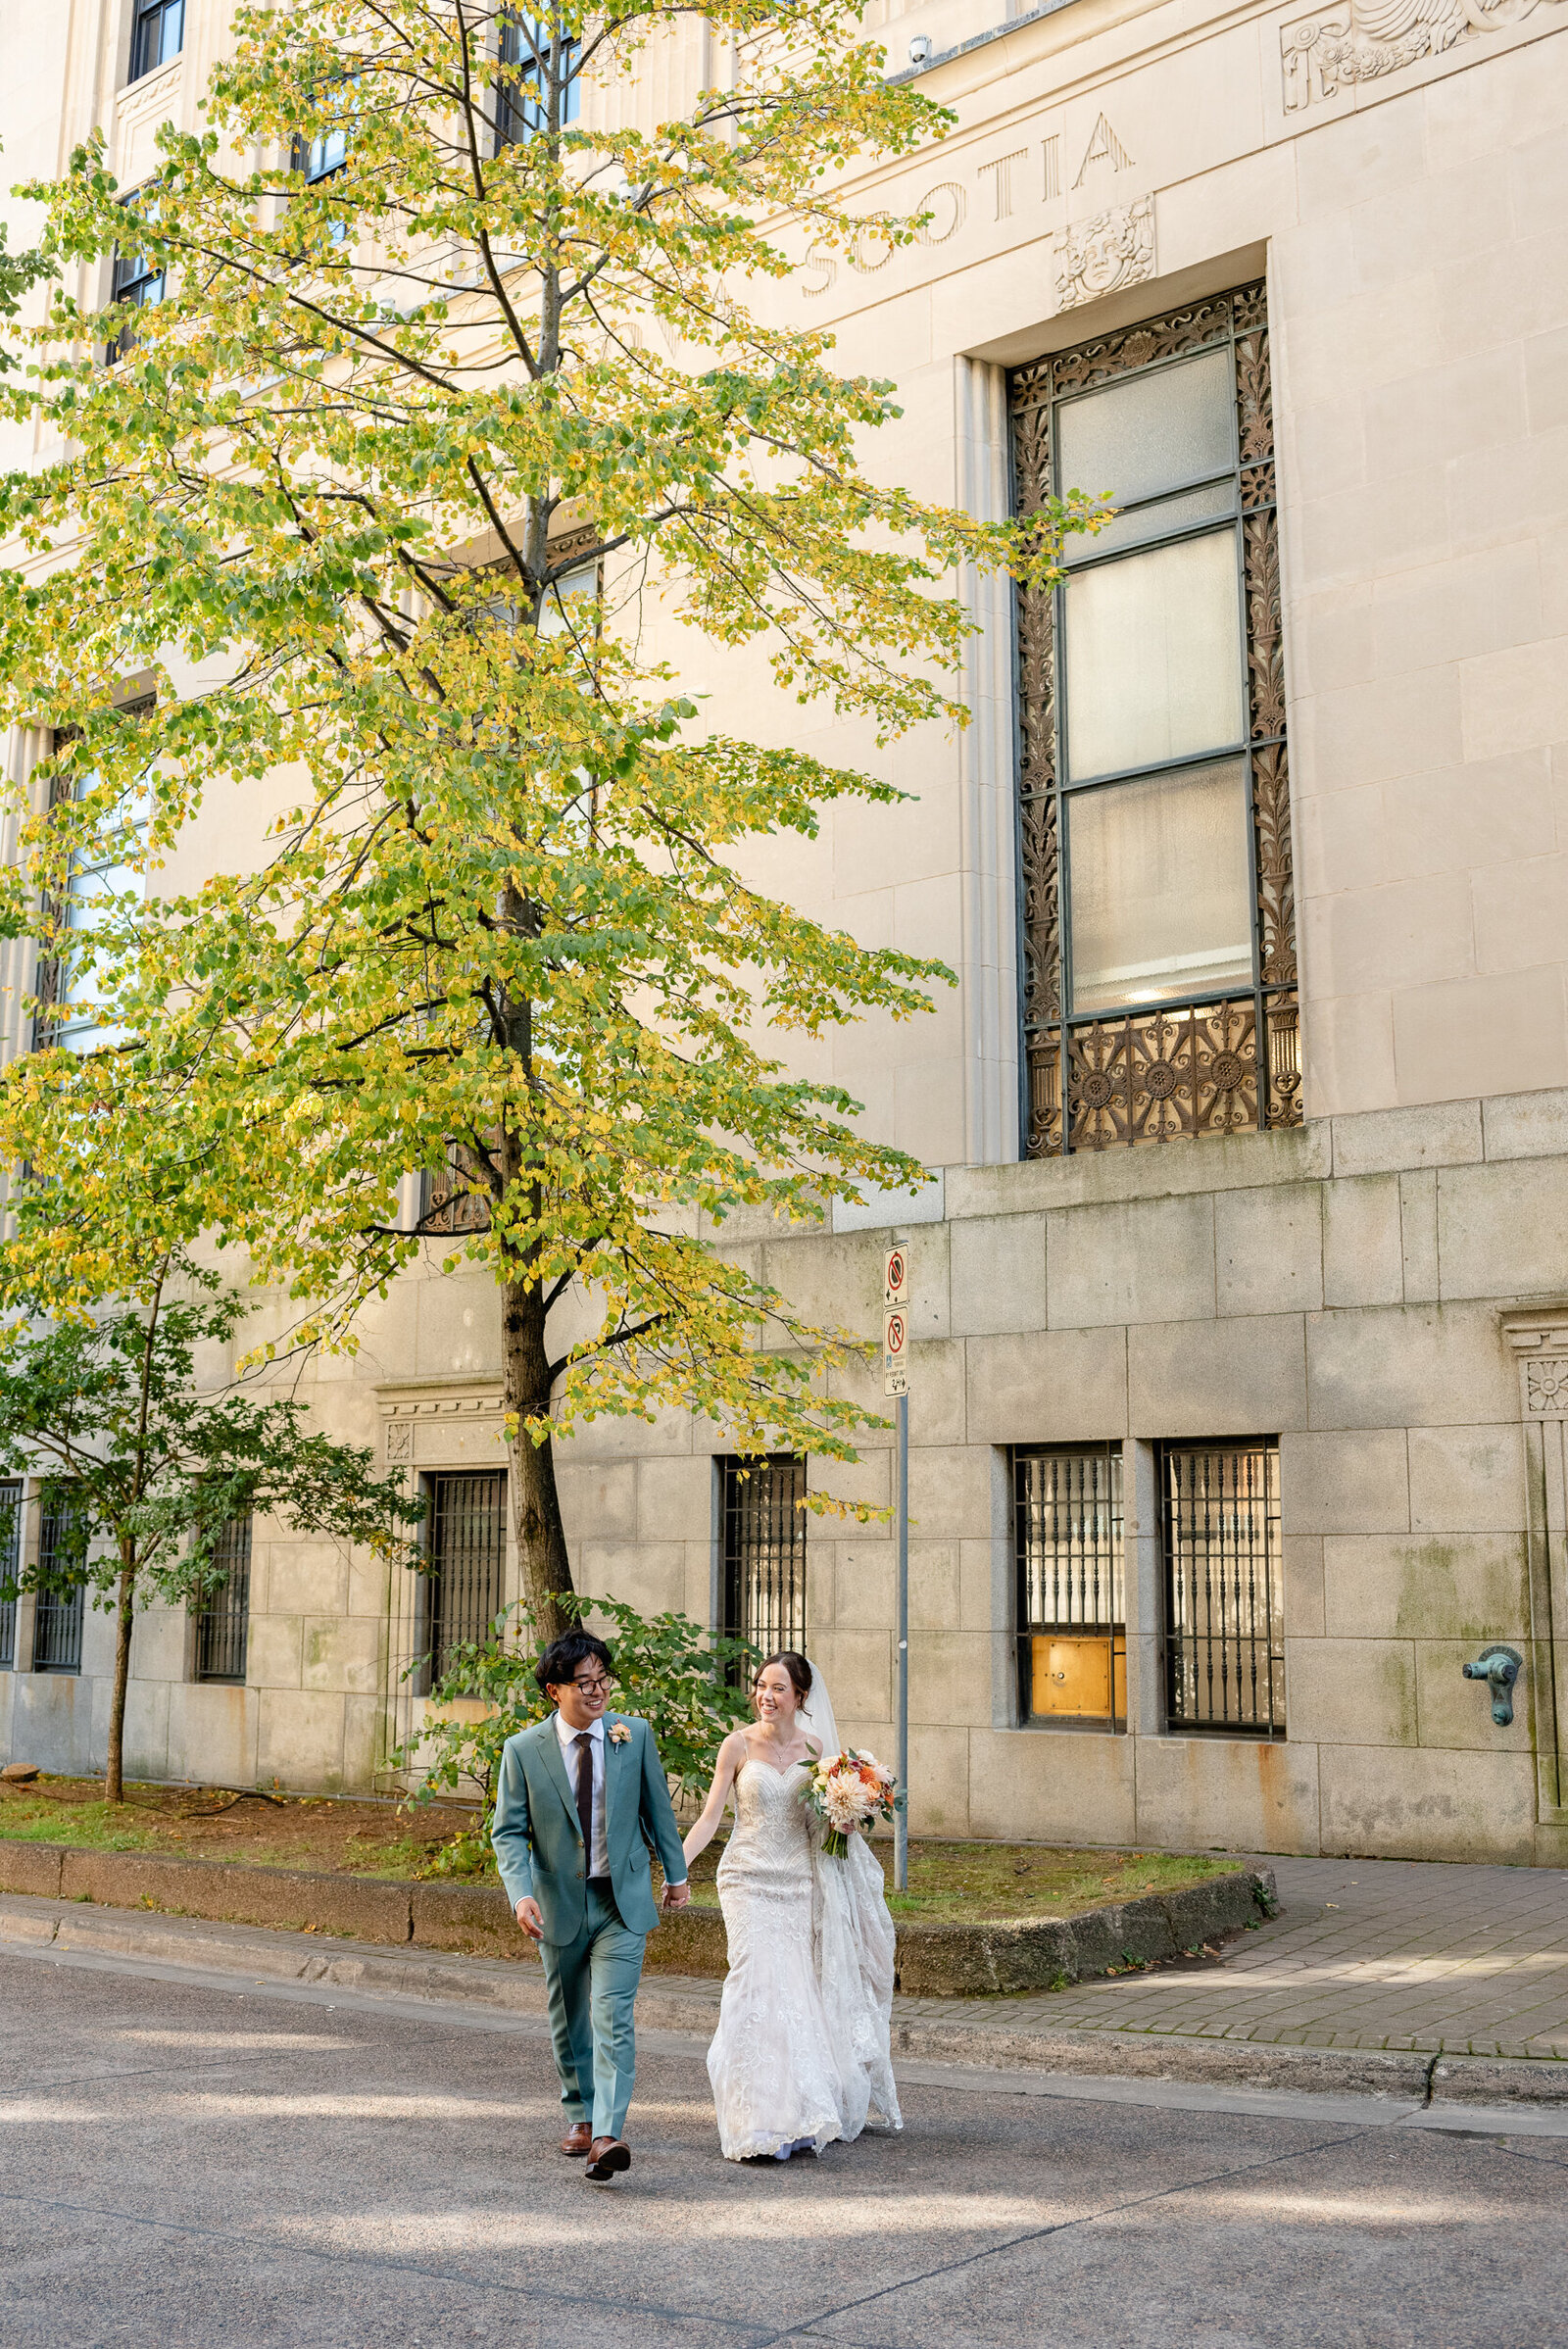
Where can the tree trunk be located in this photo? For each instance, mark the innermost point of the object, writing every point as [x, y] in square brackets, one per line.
[115, 1774]
[535, 1502]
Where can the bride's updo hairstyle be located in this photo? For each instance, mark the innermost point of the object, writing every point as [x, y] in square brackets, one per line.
[796, 1665]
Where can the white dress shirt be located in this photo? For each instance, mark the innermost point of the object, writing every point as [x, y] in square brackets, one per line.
[598, 1848]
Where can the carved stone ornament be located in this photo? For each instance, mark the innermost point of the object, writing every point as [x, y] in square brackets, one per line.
[1547, 1388]
[1103, 255]
[1539, 1337]
[1320, 55]
[442, 1423]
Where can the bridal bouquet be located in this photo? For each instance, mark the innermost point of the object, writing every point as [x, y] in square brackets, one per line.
[847, 1791]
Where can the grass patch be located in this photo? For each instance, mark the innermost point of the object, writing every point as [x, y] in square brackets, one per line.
[953, 1884]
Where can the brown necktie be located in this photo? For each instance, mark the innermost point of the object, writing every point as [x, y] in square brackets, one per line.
[585, 1794]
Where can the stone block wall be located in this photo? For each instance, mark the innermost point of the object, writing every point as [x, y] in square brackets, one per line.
[1249, 1288]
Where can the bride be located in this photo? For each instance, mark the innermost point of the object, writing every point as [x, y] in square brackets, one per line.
[800, 2053]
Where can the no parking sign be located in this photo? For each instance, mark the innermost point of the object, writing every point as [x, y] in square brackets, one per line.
[896, 1323]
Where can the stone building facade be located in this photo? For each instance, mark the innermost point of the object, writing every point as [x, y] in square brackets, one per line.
[1239, 1307]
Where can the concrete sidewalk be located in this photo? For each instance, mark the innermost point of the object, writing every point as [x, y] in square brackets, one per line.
[1408, 1956]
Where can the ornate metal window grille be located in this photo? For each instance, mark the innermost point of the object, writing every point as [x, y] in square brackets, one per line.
[464, 1578]
[10, 1560]
[223, 1621]
[58, 1616]
[458, 1198]
[1224, 1608]
[158, 35]
[1072, 1611]
[765, 1552]
[1206, 1057]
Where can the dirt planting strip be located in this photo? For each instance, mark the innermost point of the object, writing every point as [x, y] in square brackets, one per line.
[945, 1961]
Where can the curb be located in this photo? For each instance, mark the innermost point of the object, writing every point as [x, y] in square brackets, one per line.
[689, 2006]
[934, 1961]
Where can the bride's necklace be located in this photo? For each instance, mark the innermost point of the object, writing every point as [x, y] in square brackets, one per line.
[778, 1767]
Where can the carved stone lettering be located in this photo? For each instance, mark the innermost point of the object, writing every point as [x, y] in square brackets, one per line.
[1103, 255]
[1002, 164]
[1103, 147]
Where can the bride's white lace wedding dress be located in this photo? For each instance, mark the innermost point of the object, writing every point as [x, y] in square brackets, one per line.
[800, 2055]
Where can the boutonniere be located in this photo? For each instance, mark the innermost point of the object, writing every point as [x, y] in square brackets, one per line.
[619, 1733]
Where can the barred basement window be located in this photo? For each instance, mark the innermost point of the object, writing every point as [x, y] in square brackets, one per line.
[765, 1552]
[1224, 1603]
[10, 1560]
[1072, 1613]
[58, 1616]
[1158, 905]
[466, 1544]
[224, 1620]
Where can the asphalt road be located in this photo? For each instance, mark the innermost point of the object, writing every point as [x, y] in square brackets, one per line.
[193, 2163]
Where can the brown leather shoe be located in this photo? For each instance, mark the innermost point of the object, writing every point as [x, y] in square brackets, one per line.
[579, 2138]
[607, 2156]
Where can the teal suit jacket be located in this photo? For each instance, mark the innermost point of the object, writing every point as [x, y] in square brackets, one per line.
[538, 1836]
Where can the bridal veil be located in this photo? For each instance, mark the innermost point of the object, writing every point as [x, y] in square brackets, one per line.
[854, 1952]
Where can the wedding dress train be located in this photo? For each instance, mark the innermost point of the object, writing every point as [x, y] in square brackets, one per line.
[800, 2056]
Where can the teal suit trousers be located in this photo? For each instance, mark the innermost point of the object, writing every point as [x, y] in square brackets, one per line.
[592, 1983]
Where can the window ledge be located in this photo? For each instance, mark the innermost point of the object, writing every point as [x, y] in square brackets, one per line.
[139, 99]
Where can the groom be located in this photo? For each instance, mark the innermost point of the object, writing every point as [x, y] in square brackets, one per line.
[582, 1803]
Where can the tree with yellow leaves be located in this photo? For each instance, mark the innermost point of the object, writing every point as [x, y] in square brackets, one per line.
[456, 365]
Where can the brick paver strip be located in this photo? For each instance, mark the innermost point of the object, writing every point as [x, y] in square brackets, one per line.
[1409, 1954]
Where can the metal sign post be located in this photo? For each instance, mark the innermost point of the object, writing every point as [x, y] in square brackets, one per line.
[894, 1381]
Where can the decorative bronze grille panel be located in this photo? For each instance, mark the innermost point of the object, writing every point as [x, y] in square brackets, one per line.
[1224, 1613]
[1178, 1069]
[458, 1199]
[10, 1560]
[765, 1552]
[1072, 1635]
[58, 1616]
[1156, 1074]
[223, 1621]
[466, 1546]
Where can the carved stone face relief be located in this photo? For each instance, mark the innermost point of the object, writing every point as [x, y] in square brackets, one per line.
[1100, 256]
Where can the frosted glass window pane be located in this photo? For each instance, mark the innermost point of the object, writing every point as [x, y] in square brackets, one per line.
[1158, 892]
[1154, 657]
[1153, 522]
[553, 615]
[1149, 432]
[87, 910]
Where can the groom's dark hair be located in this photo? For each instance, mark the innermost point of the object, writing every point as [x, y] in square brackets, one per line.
[561, 1659]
